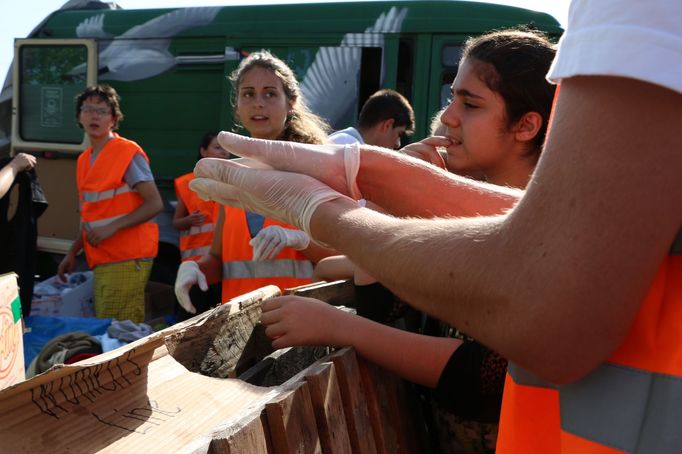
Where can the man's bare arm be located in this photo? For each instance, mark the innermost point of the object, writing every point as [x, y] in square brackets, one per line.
[555, 284]
[426, 191]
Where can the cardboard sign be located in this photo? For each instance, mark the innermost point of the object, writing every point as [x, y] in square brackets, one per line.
[137, 398]
[11, 333]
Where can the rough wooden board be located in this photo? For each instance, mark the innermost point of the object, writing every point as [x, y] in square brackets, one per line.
[338, 293]
[249, 435]
[257, 348]
[328, 408]
[136, 401]
[292, 422]
[289, 364]
[402, 405]
[214, 343]
[354, 401]
[395, 415]
[384, 432]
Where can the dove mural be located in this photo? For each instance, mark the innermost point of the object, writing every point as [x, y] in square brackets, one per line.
[142, 51]
[335, 69]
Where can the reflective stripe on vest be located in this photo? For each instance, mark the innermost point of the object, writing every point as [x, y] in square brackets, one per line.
[105, 195]
[301, 269]
[197, 252]
[621, 407]
[101, 222]
[197, 229]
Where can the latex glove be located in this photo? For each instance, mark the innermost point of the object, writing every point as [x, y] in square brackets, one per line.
[334, 165]
[288, 197]
[271, 240]
[189, 274]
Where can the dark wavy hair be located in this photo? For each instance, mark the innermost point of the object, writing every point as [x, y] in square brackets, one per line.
[514, 63]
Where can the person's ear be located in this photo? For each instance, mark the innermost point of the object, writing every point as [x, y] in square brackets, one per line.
[386, 125]
[528, 126]
[202, 152]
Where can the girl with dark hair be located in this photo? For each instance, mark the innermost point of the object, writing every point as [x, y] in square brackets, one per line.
[494, 126]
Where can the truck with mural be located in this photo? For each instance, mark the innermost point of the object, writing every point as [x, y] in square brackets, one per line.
[170, 68]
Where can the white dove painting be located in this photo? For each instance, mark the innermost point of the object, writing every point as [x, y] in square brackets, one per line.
[142, 51]
[335, 69]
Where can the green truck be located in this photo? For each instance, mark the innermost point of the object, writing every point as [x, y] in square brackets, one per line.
[170, 68]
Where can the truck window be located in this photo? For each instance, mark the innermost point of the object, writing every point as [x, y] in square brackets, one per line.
[48, 77]
[450, 55]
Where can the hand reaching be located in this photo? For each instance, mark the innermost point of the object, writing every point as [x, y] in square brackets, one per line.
[189, 274]
[289, 197]
[66, 266]
[196, 218]
[427, 150]
[334, 165]
[98, 234]
[271, 240]
[294, 320]
[23, 161]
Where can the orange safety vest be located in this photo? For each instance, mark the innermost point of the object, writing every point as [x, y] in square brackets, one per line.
[630, 403]
[241, 274]
[104, 197]
[195, 242]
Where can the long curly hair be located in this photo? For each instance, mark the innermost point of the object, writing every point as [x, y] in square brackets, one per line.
[301, 125]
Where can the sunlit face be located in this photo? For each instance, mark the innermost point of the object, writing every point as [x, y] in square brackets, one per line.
[262, 105]
[475, 123]
[96, 118]
[214, 150]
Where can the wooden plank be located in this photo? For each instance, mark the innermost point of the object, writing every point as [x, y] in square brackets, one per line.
[384, 434]
[354, 401]
[249, 435]
[328, 408]
[397, 411]
[291, 420]
[338, 293]
[213, 343]
[391, 411]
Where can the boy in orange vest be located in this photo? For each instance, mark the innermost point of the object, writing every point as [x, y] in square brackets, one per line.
[118, 198]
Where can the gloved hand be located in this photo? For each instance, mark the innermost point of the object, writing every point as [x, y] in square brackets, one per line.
[289, 197]
[334, 165]
[271, 240]
[189, 274]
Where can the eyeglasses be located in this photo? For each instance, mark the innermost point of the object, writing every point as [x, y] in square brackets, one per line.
[97, 110]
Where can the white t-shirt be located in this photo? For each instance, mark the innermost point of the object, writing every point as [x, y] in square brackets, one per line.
[635, 39]
[346, 136]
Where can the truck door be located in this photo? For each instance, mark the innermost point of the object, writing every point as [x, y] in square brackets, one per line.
[47, 75]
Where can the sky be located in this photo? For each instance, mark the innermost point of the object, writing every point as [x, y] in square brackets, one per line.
[18, 18]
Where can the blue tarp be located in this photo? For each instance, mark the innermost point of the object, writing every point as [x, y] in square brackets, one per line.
[43, 329]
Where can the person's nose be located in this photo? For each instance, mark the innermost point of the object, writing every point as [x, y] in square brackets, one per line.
[450, 117]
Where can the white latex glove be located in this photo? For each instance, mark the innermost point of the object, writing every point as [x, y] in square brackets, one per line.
[288, 197]
[272, 239]
[335, 165]
[189, 274]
